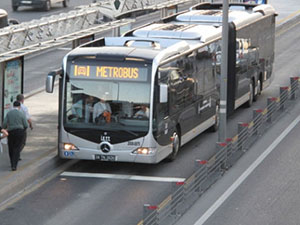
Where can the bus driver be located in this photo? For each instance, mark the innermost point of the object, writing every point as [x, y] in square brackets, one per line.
[102, 111]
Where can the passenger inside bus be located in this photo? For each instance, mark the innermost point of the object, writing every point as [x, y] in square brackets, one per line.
[142, 113]
[82, 110]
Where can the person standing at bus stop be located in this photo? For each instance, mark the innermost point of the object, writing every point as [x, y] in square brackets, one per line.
[16, 124]
[20, 98]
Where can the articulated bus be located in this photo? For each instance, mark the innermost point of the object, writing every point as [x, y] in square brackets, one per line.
[251, 45]
[140, 97]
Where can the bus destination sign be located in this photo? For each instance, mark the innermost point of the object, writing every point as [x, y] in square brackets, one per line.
[109, 72]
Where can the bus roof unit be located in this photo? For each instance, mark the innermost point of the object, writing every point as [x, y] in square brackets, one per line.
[114, 53]
[178, 31]
[236, 13]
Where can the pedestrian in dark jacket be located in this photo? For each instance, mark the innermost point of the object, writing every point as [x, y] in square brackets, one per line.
[16, 124]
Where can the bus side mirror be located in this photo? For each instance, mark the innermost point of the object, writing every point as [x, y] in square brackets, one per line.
[50, 80]
[163, 97]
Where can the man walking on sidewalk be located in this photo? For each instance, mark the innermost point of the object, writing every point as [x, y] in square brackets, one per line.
[20, 98]
[16, 123]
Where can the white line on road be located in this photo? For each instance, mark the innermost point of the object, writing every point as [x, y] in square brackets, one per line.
[243, 177]
[123, 177]
[64, 49]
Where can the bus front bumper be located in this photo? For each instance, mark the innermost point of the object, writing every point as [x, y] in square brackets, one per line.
[113, 156]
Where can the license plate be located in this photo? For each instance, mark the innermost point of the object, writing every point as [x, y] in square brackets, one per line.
[105, 157]
[26, 2]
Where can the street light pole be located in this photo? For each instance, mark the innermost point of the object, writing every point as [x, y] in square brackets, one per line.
[224, 70]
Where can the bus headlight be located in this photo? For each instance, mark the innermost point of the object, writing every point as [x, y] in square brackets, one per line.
[144, 151]
[69, 146]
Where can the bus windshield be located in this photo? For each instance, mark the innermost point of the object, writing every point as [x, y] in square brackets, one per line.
[108, 96]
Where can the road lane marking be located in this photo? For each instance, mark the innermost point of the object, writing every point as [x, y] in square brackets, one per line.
[243, 177]
[122, 177]
[65, 49]
[288, 17]
[287, 29]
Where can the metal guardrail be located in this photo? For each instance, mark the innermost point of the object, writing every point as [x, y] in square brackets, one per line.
[207, 172]
[47, 32]
[56, 30]
[47, 28]
[132, 6]
[62, 40]
[56, 26]
[158, 5]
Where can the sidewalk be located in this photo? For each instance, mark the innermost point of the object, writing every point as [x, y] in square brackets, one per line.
[39, 155]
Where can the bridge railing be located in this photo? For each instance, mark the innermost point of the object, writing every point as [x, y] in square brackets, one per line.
[47, 28]
[48, 32]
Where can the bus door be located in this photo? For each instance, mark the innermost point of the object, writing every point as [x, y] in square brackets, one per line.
[242, 62]
[206, 81]
[163, 121]
[179, 95]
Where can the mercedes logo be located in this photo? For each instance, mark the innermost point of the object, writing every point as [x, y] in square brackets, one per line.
[105, 147]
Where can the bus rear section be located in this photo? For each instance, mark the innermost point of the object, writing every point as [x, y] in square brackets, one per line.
[250, 46]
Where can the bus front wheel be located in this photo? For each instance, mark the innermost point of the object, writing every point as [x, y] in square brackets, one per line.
[175, 146]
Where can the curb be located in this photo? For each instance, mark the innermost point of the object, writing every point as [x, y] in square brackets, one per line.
[18, 183]
[286, 25]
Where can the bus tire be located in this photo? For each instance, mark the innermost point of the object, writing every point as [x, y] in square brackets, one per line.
[215, 127]
[258, 92]
[175, 147]
[251, 93]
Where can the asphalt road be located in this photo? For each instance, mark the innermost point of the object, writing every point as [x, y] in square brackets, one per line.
[270, 194]
[110, 201]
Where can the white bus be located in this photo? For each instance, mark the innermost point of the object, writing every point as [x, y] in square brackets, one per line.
[251, 45]
[140, 97]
